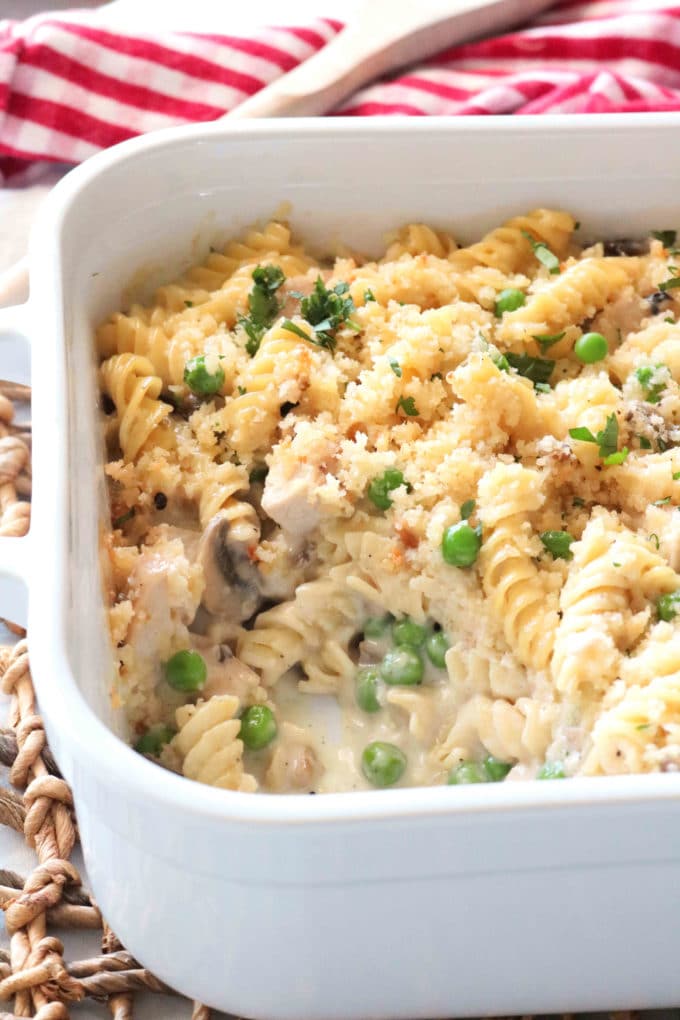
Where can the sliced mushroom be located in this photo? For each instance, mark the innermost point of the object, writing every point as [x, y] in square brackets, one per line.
[232, 582]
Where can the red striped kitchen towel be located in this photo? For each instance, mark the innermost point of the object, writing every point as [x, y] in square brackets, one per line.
[70, 86]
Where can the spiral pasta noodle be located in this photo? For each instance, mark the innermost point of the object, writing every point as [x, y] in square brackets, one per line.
[207, 741]
[507, 494]
[130, 382]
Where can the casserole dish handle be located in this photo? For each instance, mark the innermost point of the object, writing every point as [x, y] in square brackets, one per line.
[15, 555]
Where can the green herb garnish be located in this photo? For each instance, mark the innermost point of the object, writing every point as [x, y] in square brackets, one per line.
[651, 390]
[558, 544]
[118, 522]
[543, 254]
[467, 509]
[396, 367]
[607, 440]
[546, 340]
[408, 406]
[670, 284]
[616, 458]
[667, 237]
[538, 370]
[325, 310]
[645, 444]
[263, 305]
[369, 295]
[662, 502]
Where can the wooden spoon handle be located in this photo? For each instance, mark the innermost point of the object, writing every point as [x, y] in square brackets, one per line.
[317, 85]
[382, 35]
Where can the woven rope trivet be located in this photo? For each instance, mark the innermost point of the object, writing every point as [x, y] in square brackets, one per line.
[34, 973]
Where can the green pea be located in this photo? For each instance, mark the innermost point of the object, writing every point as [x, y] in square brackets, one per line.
[402, 667]
[496, 769]
[551, 770]
[154, 740]
[461, 544]
[509, 300]
[668, 606]
[383, 764]
[408, 632]
[591, 347]
[200, 380]
[436, 647]
[467, 772]
[375, 626]
[258, 727]
[366, 691]
[186, 671]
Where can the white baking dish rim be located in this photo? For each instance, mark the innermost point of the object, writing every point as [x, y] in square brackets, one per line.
[67, 712]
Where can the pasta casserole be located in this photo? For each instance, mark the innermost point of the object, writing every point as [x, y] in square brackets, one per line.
[403, 522]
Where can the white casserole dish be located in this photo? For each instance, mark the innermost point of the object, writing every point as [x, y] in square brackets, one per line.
[435, 902]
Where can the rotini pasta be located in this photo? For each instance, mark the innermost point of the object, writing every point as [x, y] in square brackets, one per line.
[403, 521]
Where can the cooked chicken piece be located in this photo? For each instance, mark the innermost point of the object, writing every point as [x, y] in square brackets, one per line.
[226, 673]
[165, 590]
[291, 501]
[294, 766]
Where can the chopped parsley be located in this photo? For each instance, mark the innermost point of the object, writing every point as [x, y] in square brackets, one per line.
[558, 544]
[618, 457]
[242, 391]
[648, 376]
[546, 340]
[189, 304]
[369, 295]
[538, 370]
[396, 367]
[577, 501]
[675, 476]
[667, 237]
[607, 441]
[670, 284]
[546, 257]
[654, 538]
[263, 305]
[662, 502]
[408, 406]
[645, 444]
[467, 509]
[669, 318]
[325, 310]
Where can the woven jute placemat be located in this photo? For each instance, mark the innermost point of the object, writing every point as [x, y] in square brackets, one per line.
[35, 977]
